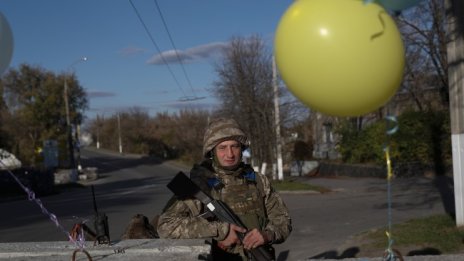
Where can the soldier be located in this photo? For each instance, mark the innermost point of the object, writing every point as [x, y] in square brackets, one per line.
[250, 196]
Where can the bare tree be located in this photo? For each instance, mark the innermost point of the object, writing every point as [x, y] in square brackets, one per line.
[189, 128]
[135, 128]
[246, 93]
[177, 135]
[104, 130]
[423, 30]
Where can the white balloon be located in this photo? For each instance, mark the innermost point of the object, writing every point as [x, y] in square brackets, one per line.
[6, 44]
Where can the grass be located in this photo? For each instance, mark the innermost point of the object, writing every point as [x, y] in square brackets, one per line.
[291, 185]
[436, 234]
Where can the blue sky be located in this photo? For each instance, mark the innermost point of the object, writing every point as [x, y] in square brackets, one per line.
[123, 68]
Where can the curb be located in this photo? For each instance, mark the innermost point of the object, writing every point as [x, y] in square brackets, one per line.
[299, 192]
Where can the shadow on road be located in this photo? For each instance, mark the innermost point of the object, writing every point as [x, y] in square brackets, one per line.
[352, 252]
[106, 165]
[77, 203]
[428, 193]
[428, 251]
[332, 254]
[444, 185]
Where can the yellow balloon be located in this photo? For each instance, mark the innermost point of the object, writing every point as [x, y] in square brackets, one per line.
[339, 57]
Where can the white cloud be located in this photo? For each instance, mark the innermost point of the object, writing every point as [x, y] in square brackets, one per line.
[189, 55]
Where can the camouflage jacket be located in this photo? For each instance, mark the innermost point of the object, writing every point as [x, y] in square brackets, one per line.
[182, 218]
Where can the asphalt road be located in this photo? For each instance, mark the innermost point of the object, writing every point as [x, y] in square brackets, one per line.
[322, 223]
[127, 185]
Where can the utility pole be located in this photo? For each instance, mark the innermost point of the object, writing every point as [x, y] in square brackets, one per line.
[98, 131]
[454, 10]
[280, 173]
[78, 148]
[72, 161]
[119, 134]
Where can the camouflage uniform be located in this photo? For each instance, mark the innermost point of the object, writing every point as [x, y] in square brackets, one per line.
[248, 194]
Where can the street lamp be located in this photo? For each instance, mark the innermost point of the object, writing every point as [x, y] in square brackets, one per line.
[72, 162]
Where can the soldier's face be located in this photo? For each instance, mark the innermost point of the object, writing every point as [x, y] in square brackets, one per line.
[228, 153]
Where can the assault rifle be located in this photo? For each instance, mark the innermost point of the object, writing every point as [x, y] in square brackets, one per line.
[182, 186]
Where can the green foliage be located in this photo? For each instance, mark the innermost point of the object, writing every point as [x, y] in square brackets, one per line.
[437, 232]
[34, 109]
[362, 146]
[422, 137]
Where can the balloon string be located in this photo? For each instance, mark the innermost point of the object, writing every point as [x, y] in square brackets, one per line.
[80, 242]
[389, 254]
[389, 201]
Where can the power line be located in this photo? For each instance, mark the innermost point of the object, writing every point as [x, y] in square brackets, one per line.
[156, 46]
[174, 46]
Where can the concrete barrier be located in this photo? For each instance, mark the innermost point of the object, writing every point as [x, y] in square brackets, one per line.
[65, 176]
[127, 250]
[406, 258]
[144, 250]
[90, 173]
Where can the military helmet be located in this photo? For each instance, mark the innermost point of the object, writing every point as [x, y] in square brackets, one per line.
[222, 129]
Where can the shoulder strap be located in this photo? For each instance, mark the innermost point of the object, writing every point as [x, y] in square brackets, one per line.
[258, 178]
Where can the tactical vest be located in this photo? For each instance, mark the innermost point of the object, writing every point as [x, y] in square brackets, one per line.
[244, 194]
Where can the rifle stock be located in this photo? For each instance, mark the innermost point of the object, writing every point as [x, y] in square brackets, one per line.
[183, 186]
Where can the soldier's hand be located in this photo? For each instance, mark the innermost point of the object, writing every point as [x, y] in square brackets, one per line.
[254, 239]
[232, 237]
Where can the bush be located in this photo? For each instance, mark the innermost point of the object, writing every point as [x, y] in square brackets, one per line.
[363, 146]
[422, 137]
